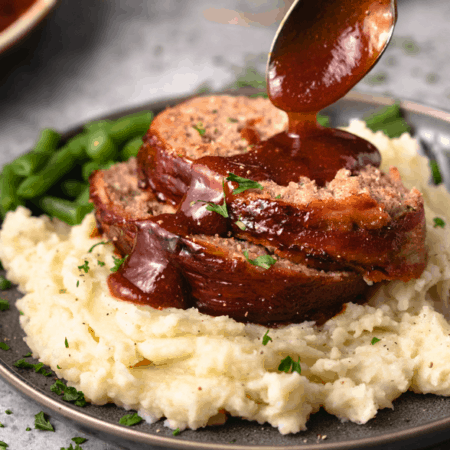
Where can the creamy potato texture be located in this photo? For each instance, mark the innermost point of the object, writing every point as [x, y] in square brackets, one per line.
[188, 367]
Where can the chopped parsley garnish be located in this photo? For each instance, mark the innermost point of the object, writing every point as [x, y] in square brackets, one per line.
[438, 222]
[57, 365]
[63, 291]
[38, 368]
[244, 183]
[232, 120]
[240, 225]
[66, 343]
[323, 120]
[288, 363]
[375, 340]
[8, 411]
[200, 128]
[176, 432]
[100, 263]
[27, 429]
[84, 267]
[3, 445]
[79, 440]
[266, 338]
[264, 261]
[4, 283]
[21, 313]
[435, 172]
[78, 283]
[70, 394]
[219, 209]
[130, 419]
[118, 263]
[4, 346]
[41, 423]
[28, 355]
[4, 305]
[1, 425]
[278, 196]
[98, 243]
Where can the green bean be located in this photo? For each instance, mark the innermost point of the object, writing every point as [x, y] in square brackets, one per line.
[130, 126]
[48, 141]
[77, 146]
[64, 210]
[30, 163]
[73, 188]
[9, 181]
[383, 115]
[323, 120]
[100, 147]
[98, 125]
[131, 148]
[4, 283]
[58, 165]
[83, 197]
[394, 128]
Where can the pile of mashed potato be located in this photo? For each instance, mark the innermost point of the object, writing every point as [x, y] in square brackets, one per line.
[189, 367]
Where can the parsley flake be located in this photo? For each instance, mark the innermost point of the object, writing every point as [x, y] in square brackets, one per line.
[4, 346]
[85, 267]
[27, 355]
[219, 209]
[266, 338]
[58, 366]
[1, 425]
[176, 432]
[4, 283]
[4, 305]
[8, 411]
[3, 445]
[70, 394]
[200, 128]
[240, 225]
[118, 263]
[375, 340]
[100, 263]
[98, 243]
[278, 196]
[232, 120]
[438, 222]
[264, 261]
[21, 313]
[38, 368]
[288, 363]
[79, 440]
[27, 429]
[130, 419]
[41, 423]
[78, 283]
[66, 343]
[244, 183]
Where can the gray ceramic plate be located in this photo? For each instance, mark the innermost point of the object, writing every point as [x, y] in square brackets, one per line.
[417, 421]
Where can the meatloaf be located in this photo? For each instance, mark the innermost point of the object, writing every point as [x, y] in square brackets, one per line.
[367, 222]
[215, 274]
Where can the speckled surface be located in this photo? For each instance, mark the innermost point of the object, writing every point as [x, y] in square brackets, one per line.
[97, 56]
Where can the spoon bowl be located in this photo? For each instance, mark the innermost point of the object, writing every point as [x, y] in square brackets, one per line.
[323, 48]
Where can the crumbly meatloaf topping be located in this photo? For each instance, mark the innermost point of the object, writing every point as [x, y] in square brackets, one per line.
[385, 189]
[213, 126]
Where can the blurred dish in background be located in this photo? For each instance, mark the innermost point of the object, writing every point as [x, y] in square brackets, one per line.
[19, 17]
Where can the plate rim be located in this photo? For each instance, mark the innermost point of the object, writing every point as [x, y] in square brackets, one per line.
[81, 419]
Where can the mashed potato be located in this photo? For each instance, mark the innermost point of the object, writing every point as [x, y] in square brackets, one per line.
[188, 367]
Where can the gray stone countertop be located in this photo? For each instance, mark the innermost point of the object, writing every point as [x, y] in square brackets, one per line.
[95, 57]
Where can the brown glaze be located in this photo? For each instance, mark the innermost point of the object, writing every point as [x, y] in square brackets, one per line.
[11, 10]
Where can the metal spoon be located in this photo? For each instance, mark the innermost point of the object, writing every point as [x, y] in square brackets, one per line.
[324, 47]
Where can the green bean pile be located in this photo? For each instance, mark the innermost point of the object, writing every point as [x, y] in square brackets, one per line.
[54, 178]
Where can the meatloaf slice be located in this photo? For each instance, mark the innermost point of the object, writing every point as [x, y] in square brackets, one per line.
[215, 274]
[367, 221]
